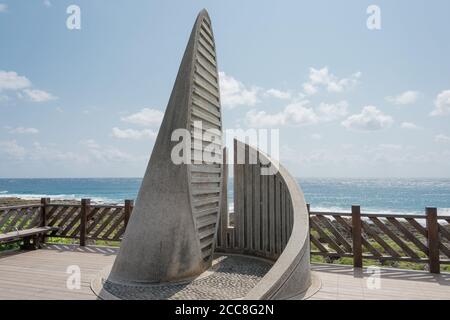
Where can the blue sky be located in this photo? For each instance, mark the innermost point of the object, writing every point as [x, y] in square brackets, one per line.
[349, 101]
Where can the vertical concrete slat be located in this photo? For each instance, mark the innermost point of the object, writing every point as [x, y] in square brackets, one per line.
[291, 217]
[257, 206]
[271, 219]
[242, 200]
[283, 217]
[281, 221]
[277, 217]
[288, 215]
[265, 243]
[223, 221]
[232, 238]
[238, 184]
[248, 200]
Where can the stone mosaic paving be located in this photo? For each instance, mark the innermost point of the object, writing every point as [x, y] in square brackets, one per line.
[232, 277]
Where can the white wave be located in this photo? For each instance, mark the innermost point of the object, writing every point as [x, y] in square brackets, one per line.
[99, 200]
[4, 192]
[33, 196]
[443, 211]
[329, 209]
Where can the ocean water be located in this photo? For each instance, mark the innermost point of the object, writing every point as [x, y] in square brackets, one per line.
[374, 195]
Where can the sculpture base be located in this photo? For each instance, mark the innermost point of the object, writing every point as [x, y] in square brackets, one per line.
[230, 277]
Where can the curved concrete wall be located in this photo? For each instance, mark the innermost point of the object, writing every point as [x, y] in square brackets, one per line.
[270, 221]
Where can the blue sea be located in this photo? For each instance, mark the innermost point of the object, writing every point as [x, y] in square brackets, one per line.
[374, 195]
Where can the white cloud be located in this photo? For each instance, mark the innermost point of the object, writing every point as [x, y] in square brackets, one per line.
[275, 93]
[90, 143]
[3, 7]
[106, 153]
[323, 78]
[357, 160]
[36, 95]
[47, 3]
[409, 125]
[407, 97]
[38, 152]
[145, 117]
[50, 153]
[309, 89]
[261, 119]
[133, 134]
[297, 114]
[294, 114]
[442, 104]
[330, 112]
[234, 93]
[369, 119]
[316, 136]
[92, 152]
[109, 154]
[10, 80]
[23, 130]
[442, 138]
[12, 149]
[389, 146]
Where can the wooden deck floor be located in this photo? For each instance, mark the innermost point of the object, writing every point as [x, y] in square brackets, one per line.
[41, 274]
[341, 282]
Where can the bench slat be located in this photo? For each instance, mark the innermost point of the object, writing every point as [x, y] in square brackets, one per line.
[25, 233]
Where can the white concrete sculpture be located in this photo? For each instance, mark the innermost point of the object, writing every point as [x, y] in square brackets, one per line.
[171, 232]
[170, 239]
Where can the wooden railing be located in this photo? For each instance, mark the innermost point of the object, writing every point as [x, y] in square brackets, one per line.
[20, 217]
[76, 221]
[382, 237]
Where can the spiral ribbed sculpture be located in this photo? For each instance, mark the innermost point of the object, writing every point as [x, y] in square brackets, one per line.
[170, 235]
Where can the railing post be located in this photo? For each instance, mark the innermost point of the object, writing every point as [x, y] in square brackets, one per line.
[357, 237]
[129, 204]
[44, 203]
[433, 240]
[85, 207]
[43, 222]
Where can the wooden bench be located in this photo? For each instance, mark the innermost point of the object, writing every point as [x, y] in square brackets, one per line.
[35, 234]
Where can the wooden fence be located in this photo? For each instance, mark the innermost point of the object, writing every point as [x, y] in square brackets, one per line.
[76, 221]
[383, 237]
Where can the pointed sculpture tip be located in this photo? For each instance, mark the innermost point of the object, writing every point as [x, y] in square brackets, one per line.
[203, 12]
